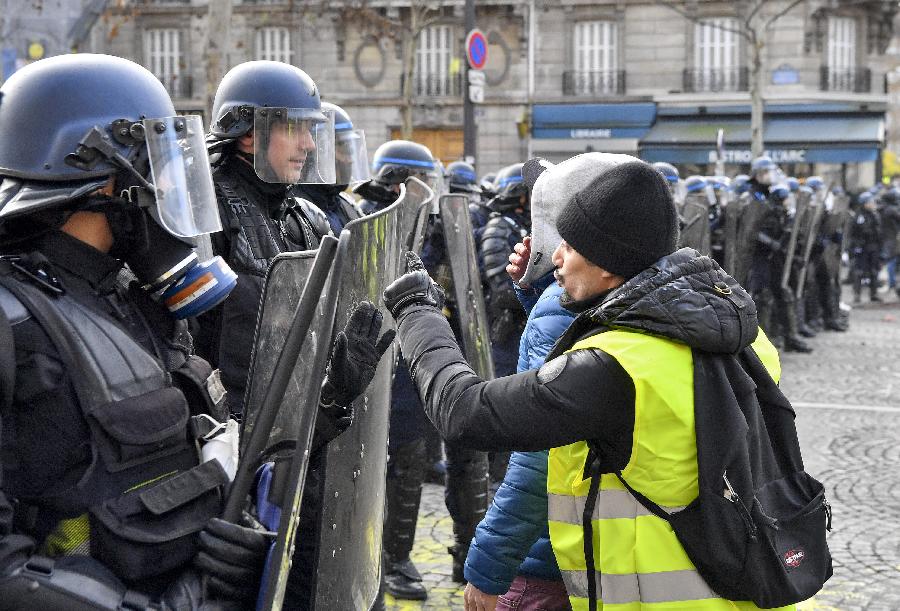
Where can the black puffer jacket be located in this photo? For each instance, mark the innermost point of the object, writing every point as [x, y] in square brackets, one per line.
[584, 394]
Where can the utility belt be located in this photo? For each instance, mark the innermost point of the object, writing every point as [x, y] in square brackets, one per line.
[139, 505]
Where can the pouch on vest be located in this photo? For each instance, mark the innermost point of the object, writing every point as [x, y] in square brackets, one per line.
[757, 529]
[148, 532]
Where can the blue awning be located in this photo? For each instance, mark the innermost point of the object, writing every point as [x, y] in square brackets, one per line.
[584, 121]
[789, 139]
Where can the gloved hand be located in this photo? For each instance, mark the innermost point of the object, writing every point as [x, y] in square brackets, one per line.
[231, 559]
[415, 287]
[354, 358]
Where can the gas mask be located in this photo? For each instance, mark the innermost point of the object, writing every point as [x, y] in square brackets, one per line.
[158, 225]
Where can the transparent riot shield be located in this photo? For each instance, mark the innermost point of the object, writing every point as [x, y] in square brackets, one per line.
[748, 221]
[814, 215]
[695, 219]
[417, 191]
[729, 235]
[798, 225]
[460, 241]
[834, 226]
[348, 568]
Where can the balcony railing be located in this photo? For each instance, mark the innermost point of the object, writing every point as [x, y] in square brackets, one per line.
[578, 82]
[714, 80]
[857, 80]
[433, 85]
[178, 85]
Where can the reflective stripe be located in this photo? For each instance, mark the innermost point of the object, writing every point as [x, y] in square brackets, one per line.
[611, 504]
[670, 586]
[403, 161]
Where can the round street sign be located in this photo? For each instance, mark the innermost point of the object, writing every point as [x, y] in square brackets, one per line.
[476, 49]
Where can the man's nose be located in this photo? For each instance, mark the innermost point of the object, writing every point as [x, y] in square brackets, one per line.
[306, 142]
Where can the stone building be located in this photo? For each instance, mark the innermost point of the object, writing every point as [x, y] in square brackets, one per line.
[645, 77]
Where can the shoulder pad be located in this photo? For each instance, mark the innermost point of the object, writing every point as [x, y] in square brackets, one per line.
[13, 308]
[314, 215]
[351, 205]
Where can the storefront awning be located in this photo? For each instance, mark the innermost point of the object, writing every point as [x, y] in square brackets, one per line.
[592, 121]
[788, 139]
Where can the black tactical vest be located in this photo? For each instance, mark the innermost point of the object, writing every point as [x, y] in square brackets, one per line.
[138, 408]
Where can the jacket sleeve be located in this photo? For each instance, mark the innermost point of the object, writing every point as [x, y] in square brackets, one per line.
[577, 396]
[515, 520]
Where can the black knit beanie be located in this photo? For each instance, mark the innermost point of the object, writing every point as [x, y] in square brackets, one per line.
[623, 221]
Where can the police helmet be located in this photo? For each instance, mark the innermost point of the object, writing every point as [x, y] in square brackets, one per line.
[792, 183]
[397, 160]
[740, 183]
[761, 164]
[815, 183]
[351, 159]
[694, 184]
[462, 178]
[780, 191]
[891, 197]
[270, 98]
[864, 198]
[669, 171]
[719, 183]
[509, 187]
[70, 122]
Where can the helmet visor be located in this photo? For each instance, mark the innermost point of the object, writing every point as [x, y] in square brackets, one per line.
[351, 160]
[182, 180]
[294, 145]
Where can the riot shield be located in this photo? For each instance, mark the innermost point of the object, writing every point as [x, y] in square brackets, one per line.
[750, 213]
[796, 240]
[348, 568]
[417, 191]
[835, 226]
[729, 238]
[473, 324]
[695, 216]
[815, 213]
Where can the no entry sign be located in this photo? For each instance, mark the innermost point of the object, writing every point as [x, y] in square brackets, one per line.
[476, 49]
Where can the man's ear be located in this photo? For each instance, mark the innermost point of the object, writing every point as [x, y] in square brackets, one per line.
[245, 142]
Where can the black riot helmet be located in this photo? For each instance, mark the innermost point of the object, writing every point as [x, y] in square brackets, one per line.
[510, 187]
[72, 124]
[462, 178]
[278, 102]
[397, 160]
[351, 160]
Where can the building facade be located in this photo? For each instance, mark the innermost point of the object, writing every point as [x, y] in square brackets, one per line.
[644, 77]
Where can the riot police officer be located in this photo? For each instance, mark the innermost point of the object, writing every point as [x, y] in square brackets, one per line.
[775, 302]
[269, 133]
[461, 178]
[865, 246]
[102, 399]
[673, 178]
[351, 166]
[394, 162]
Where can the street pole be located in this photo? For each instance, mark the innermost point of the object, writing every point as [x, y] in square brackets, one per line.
[468, 106]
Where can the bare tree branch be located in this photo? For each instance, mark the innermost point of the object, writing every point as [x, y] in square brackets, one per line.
[694, 19]
[784, 12]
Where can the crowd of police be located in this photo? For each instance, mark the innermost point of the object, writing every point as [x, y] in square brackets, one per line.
[134, 250]
[787, 240]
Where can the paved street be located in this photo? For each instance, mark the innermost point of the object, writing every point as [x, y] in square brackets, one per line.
[847, 398]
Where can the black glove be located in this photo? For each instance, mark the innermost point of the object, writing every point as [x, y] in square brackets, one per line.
[415, 287]
[354, 358]
[231, 559]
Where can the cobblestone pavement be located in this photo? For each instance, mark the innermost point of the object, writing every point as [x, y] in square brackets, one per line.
[847, 397]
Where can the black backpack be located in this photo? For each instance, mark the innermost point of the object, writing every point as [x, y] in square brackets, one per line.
[757, 529]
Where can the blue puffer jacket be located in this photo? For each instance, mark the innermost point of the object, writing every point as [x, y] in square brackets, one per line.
[513, 537]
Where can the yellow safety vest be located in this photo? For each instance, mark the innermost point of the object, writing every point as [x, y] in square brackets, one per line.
[639, 563]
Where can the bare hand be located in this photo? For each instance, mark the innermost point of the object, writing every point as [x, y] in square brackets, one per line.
[475, 599]
[518, 260]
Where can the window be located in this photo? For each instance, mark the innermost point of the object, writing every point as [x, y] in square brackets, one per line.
[273, 44]
[841, 53]
[716, 55]
[434, 53]
[595, 57]
[162, 53]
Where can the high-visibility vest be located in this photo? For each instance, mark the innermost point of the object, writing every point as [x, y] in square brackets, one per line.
[639, 562]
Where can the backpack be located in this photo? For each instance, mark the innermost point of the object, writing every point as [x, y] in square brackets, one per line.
[757, 529]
